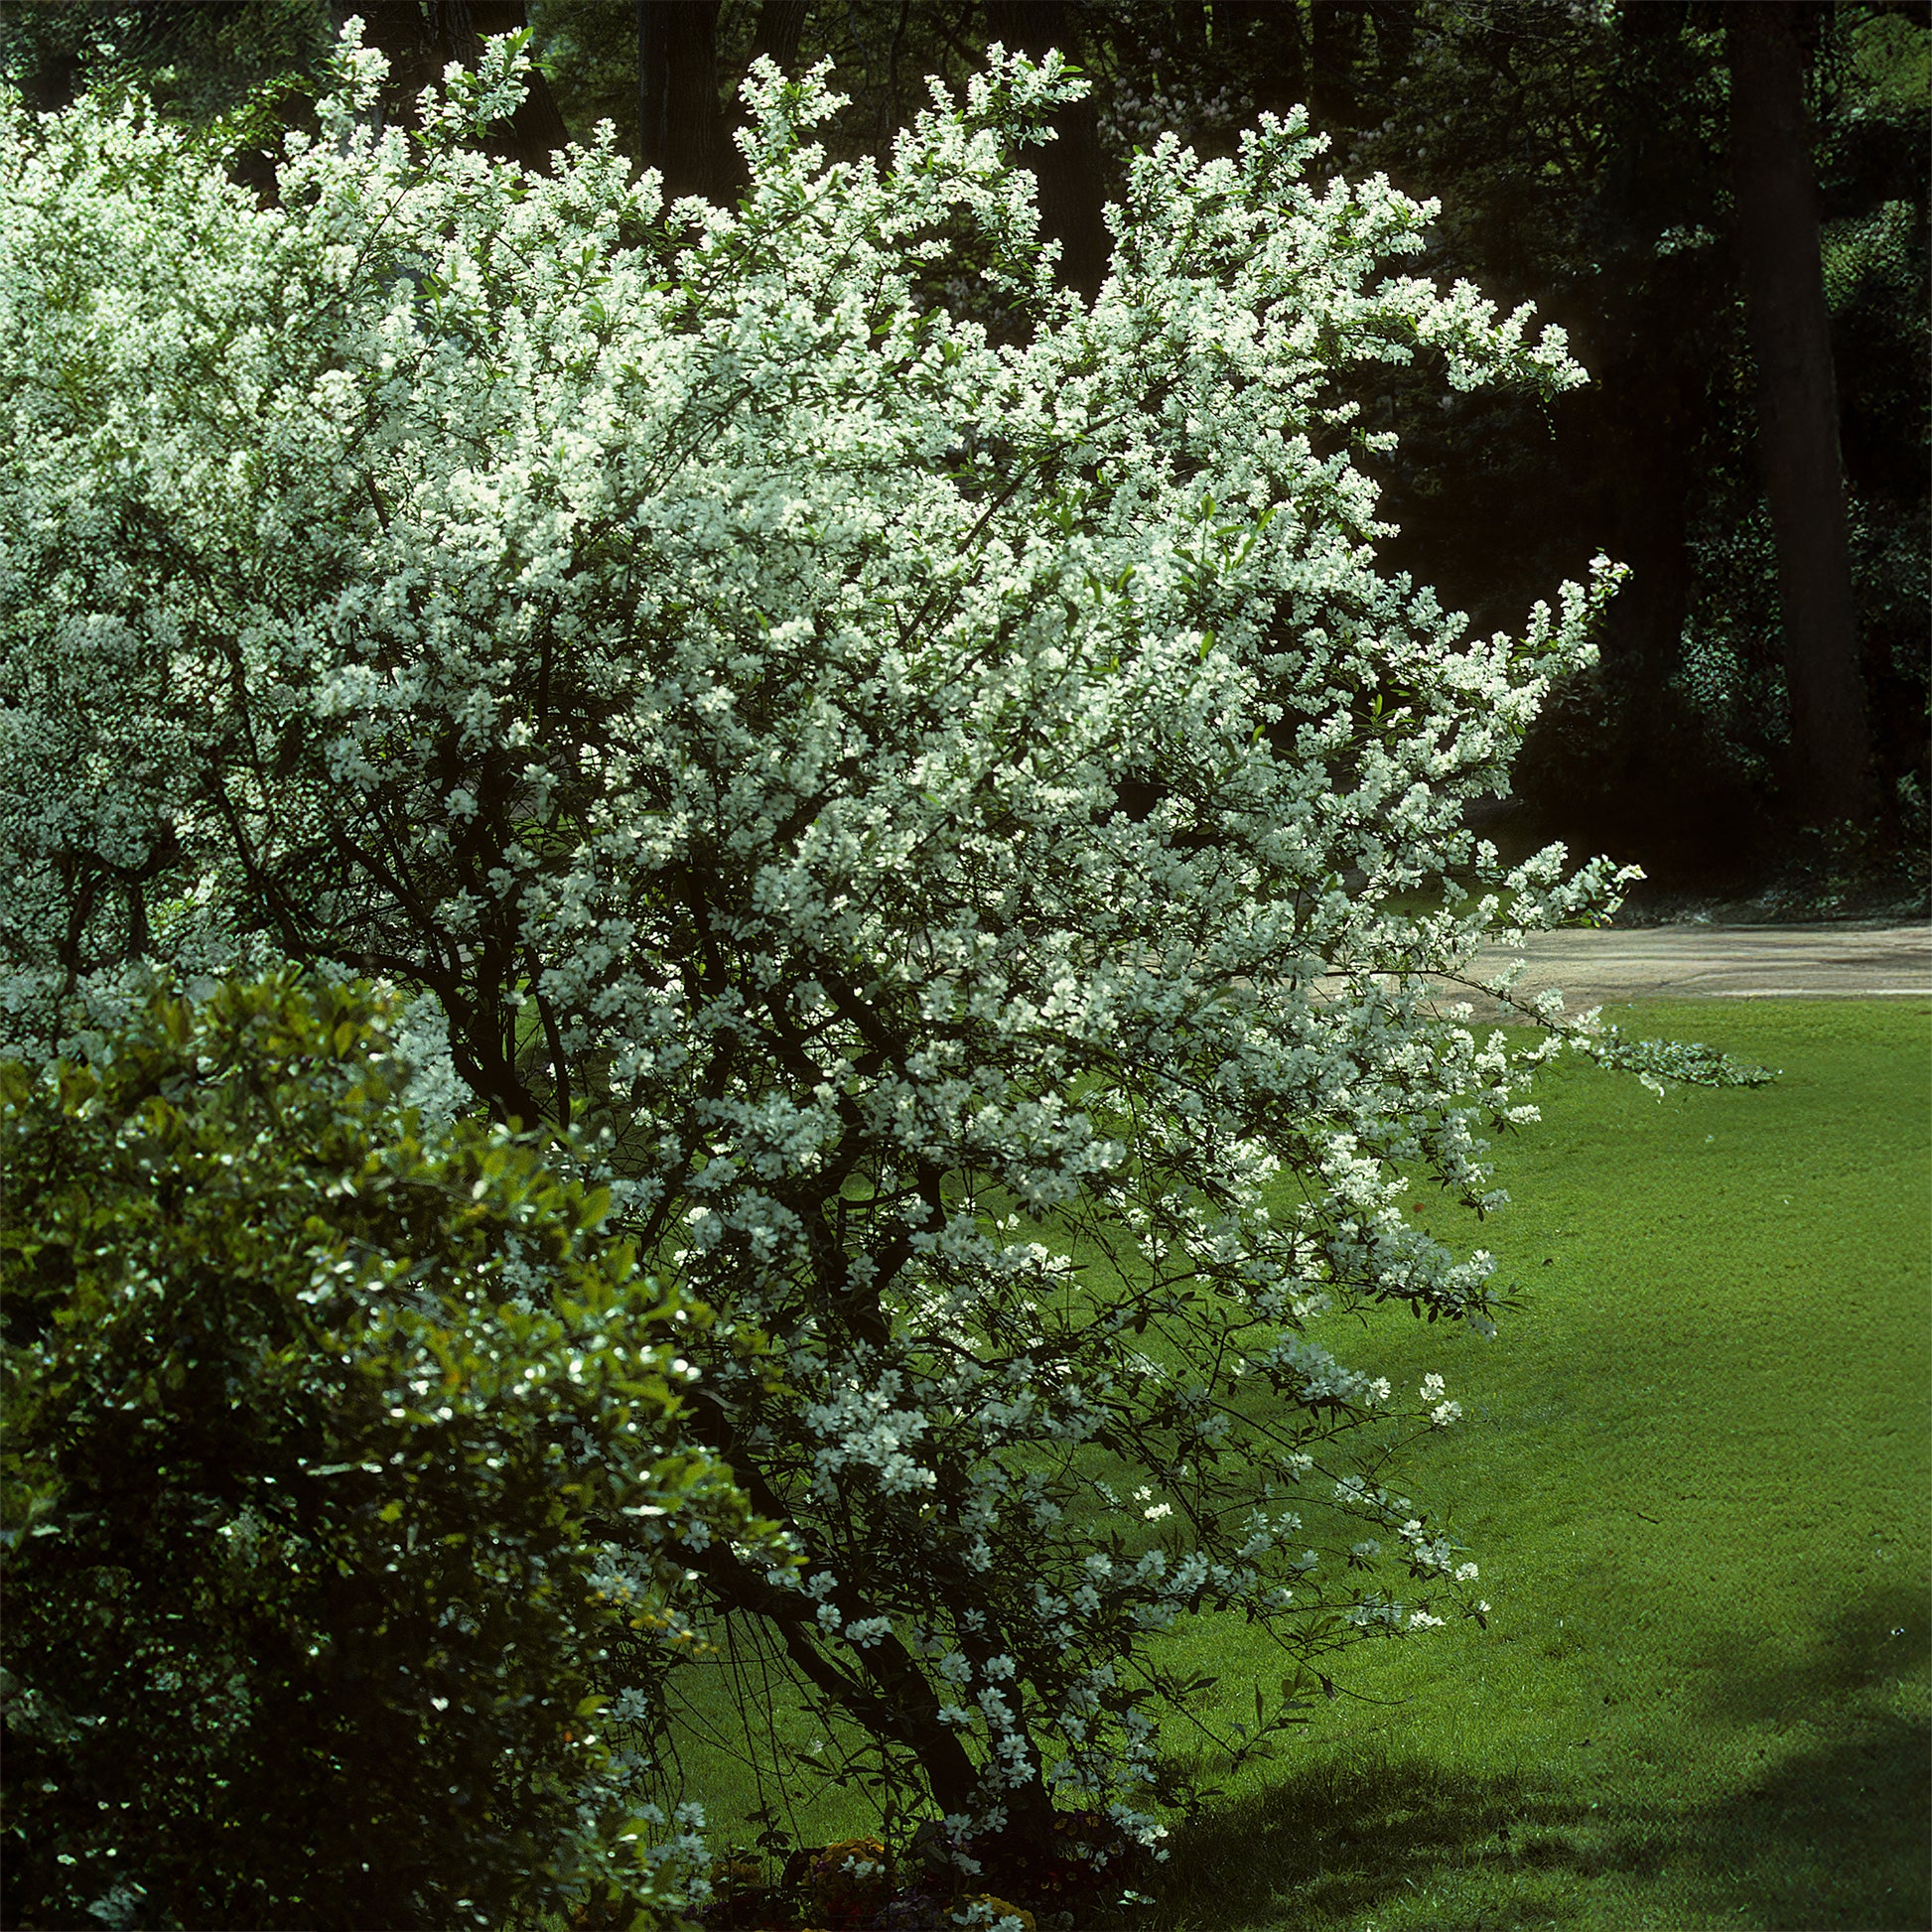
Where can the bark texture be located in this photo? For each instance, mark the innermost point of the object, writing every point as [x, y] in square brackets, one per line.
[1776, 197]
[679, 115]
[1067, 168]
[779, 32]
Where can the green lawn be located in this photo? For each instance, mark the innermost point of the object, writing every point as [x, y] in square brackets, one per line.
[1695, 1469]
[1696, 1472]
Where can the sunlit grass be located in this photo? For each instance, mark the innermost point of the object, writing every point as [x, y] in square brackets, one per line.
[1695, 1471]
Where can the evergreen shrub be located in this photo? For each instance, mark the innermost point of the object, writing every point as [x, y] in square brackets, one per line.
[341, 1458]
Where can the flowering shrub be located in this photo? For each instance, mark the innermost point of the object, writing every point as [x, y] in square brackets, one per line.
[341, 1469]
[928, 805]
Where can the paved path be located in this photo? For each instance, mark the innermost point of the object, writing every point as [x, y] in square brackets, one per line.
[1857, 959]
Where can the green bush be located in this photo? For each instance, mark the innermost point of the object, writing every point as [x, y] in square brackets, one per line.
[341, 1479]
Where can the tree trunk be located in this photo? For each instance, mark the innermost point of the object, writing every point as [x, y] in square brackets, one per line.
[421, 38]
[1067, 168]
[776, 35]
[1651, 786]
[680, 118]
[1643, 421]
[1337, 56]
[1266, 36]
[779, 32]
[1776, 200]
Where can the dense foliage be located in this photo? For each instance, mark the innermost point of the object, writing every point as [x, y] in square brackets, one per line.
[1583, 153]
[939, 814]
[1584, 156]
[343, 1468]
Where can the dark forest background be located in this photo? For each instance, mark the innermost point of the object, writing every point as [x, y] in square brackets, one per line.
[1725, 205]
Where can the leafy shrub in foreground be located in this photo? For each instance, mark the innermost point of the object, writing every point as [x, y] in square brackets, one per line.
[340, 1460]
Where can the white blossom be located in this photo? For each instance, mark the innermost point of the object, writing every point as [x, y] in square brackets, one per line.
[929, 806]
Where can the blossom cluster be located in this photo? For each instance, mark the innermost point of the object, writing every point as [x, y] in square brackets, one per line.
[928, 801]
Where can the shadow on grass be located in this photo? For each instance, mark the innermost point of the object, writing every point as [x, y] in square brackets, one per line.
[1833, 1835]
[1337, 1844]
[1840, 1835]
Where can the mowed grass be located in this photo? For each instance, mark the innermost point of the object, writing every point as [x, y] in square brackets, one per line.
[1696, 1472]
[1696, 1468]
